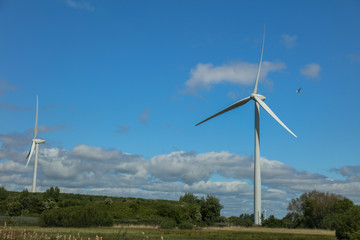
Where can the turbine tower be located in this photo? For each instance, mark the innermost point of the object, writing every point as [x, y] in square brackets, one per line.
[35, 145]
[259, 101]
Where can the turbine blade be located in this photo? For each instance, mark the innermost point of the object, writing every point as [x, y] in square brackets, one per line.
[264, 106]
[231, 107]
[36, 119]
[30, 153]
[258, 74]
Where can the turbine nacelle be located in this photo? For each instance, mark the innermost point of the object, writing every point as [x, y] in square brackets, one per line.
[261, 97]
[38, 141]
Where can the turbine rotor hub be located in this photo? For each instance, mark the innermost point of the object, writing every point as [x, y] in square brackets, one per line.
[262, 97]
[39, 141]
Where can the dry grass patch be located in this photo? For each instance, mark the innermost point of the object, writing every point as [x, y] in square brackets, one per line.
[273, 230]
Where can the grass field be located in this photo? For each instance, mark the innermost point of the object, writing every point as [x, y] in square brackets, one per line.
[143, 232]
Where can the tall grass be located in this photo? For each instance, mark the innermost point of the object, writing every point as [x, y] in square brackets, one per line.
[131, 233]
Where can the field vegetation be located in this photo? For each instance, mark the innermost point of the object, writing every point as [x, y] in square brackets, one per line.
[145, 232]
[189, 218]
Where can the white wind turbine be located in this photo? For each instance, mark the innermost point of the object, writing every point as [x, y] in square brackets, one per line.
[35, 145]
[259, 100]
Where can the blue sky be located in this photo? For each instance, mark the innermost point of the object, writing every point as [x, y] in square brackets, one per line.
[121, 85]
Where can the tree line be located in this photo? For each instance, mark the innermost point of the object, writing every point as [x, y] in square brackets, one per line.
[55, 209]
[310, 210]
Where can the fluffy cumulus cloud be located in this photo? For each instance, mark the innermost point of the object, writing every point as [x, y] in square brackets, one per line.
[95, 170]
[311, 70]
[207, 75]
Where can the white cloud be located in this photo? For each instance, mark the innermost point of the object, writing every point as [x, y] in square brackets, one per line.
[207, 75]
[220, 188]
[352, 173]
[95, 170]
[311, 70]
[94, 153]
[288, 40]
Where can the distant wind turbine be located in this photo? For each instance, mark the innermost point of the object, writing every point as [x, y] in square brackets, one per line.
[35, 145]
[259, 100]
[265, 211]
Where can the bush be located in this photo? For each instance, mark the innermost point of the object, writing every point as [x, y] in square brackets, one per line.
[168, 212]
[88, 216]
[3, 193]
[14, 208]
[273, 222]
[347, 224]
[186, 226]
[167, 224]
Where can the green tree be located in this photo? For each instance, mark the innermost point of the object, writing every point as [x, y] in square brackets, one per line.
[14, 208]
[310, 209]
[331, 220]
[189, 198]
[210, 209]
[273, 222]
[52, 193]
[347, 224]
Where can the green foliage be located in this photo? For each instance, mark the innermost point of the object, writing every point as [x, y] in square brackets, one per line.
[169, 212]
[167, 223]
[189, 198]
[14, 208]
[64, 209]
[347, 224]
[30, 202]
[108, 202]
[3, 194]
[52, 193]
[273, 222]
[210, 209]
[245, 220]
[186, 226]
[328, 211]
[311, 208]
[77, 216]
[49, 204]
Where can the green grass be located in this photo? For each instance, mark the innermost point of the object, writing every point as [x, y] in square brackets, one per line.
[111, 233]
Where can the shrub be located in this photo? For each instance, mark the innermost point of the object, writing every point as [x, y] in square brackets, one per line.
[273, 222]
[347, 224]
[186, 226]
[77, 216]
[14, 208]
[3, 193]
[167, 224]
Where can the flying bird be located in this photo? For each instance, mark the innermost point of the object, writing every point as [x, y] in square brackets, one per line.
[298, 91]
